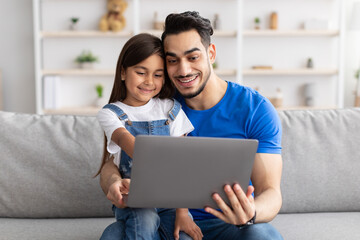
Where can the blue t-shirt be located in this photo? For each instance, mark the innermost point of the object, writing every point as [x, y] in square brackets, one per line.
[241, 113]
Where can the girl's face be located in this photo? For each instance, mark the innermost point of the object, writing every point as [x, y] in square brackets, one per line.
[144, 80]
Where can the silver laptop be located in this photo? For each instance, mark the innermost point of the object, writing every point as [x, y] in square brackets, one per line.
[184, 172]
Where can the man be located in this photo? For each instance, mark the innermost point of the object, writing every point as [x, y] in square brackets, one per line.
[218, 108]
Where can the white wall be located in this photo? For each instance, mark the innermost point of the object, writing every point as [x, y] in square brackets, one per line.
[17, 55]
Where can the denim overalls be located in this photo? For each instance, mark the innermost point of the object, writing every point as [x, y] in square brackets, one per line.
[142, 223]
[157, 127]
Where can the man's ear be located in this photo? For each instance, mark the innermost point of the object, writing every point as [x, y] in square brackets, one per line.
[212, 53]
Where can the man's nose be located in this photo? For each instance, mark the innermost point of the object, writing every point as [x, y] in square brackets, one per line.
[184, 68]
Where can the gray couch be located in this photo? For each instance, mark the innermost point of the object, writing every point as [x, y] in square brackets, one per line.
[47, 163]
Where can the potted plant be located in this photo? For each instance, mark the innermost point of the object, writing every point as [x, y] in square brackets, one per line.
[100, 100]
[257, 23]
[86, 59]
[73, 25]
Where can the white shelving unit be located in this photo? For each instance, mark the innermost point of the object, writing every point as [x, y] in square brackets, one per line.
[49, 36]
[287, 48]
[56, 47]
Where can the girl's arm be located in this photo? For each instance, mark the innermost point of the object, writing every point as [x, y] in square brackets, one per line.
[125, 140]
[183, 222]
[113, 185]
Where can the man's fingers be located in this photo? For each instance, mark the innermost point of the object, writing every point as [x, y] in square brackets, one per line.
[247, 202]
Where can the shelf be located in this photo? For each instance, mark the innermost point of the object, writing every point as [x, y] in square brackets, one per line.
[290, 33]
[88, 111]
[111, 72]
[83, 34]
[288, 72]
[217, 33]
[305, 108]
[80, 72]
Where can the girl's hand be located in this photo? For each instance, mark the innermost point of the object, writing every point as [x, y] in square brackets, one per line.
[184, 223]
[117, 191]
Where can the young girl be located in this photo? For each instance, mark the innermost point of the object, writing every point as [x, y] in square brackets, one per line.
[140, 104]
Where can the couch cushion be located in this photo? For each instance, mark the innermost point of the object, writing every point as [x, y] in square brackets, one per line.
[55, 229]
[321, 160]
[319, 226]
[47, 166]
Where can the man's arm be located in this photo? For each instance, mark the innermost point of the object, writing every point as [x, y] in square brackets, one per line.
[266, 178]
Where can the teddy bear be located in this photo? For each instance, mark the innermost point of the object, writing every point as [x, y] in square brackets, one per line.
[114, 20]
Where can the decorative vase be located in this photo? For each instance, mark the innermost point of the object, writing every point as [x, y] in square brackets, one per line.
[274, 21]
[87, 65]
[100, 102]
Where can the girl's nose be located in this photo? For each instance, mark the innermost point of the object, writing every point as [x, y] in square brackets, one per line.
[148, 80]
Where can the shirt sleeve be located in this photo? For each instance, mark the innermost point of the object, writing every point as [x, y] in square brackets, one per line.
[266, 128]
[181, 125]
[109, 122]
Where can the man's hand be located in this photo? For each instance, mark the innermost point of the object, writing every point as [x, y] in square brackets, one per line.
[242, 207]
[117, 192]
[184, 223]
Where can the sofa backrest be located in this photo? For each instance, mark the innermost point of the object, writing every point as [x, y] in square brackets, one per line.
[47, 165]
[321, 160]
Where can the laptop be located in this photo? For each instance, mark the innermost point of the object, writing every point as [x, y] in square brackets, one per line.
[184, 172]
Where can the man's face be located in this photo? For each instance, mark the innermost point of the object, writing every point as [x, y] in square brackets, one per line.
[187, 62]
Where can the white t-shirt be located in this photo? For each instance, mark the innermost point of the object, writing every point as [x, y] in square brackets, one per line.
[155, 109]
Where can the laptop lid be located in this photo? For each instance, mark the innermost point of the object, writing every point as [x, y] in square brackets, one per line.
[183, 172]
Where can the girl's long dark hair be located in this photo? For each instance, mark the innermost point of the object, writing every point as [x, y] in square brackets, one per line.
[136, 49]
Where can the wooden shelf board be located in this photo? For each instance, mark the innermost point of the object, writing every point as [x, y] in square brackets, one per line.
[306, 107]
[88, 111]
[290, 33]
[217, 33]
[85, 34]
[80, 72]
[274, 72]
[111, 72]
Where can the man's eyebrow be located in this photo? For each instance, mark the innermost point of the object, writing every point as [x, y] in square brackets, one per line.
[185, 53]
[191, 50]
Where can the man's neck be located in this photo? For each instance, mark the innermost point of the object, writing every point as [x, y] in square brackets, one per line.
[213, 92]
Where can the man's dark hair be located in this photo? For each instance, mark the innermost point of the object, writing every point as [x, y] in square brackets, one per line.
[176, 23]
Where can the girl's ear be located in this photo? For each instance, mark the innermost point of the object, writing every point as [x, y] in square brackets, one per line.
[123, 74]
[212, 53]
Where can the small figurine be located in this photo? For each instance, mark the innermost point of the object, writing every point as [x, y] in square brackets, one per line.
[114, 19]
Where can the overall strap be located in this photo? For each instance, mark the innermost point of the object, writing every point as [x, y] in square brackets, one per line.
[174, 110]
[117, 110]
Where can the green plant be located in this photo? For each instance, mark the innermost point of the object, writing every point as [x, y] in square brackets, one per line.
[99, 89]
[74, 20]
[215, 65]
[257, 20]
[357, 73]
[86, 56]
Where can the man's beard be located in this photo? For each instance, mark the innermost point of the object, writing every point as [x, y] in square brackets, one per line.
[201, 88]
